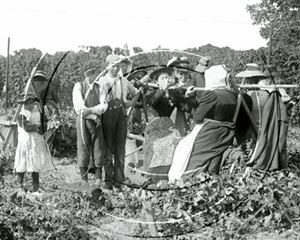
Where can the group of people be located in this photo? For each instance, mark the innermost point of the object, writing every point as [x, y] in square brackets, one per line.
[102, 104]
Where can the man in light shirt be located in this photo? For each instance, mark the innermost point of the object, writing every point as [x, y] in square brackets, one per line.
[89, 103]
[116, 88]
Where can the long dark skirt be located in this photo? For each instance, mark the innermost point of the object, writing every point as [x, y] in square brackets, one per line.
[210, 144]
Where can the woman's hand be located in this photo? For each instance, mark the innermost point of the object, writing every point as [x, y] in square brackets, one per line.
[146, 78]
[169, 83]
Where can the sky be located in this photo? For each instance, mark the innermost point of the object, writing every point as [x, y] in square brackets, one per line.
[53, 26]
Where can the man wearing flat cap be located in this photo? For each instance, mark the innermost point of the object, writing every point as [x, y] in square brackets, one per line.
[116, 88]
[89, 103]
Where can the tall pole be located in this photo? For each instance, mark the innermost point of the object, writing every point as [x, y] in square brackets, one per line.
[7, 75]
[270, 43]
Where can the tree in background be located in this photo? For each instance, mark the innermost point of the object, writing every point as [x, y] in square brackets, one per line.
[119, 51]
[137, 49]
[284, 16]
[126, 50]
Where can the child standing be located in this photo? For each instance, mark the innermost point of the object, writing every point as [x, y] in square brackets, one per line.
[32, 154]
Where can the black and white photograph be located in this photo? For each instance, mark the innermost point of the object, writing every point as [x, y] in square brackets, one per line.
[124, 120]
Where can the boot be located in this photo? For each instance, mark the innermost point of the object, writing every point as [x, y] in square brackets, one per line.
[35, 192]
[35, 187]
[35, 181]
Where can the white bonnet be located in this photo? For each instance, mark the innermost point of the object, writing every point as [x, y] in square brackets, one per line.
[215, 77]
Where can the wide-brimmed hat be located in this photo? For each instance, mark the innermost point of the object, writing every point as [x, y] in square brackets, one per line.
[180, 64]
[204, 63]
[183, 67]
[251, 71]
[91, 64]
[27, 96]
[160, 70]
[135, 73]
[40, 73]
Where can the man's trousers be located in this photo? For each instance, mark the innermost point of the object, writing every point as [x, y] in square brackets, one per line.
[89, 145]
[115, 133]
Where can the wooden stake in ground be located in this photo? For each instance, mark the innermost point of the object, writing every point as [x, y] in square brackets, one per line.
[7, 75]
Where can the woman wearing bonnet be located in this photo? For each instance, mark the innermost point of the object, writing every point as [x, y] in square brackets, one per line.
[203, 148]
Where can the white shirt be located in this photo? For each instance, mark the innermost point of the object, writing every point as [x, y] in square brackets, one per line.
[118, 86]
[78, 101]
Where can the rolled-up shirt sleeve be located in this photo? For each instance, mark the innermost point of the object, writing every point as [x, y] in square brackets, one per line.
[100, 108]
[78, 102]
[131, 89]
[77, 99]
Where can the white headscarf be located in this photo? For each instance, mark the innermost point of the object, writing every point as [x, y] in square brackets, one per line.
[215, 77]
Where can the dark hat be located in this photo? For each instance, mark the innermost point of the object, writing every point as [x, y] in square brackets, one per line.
[40, 73]
[180, 64]
[91, 64]
[135, 74]
[252, 71]
[183, 67]
[27, 96]
[177, 60]
[160, 70]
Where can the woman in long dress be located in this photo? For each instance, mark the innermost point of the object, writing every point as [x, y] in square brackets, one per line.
[203, 148]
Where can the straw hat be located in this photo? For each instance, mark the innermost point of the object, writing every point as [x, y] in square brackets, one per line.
[40, 73]
[251, 71]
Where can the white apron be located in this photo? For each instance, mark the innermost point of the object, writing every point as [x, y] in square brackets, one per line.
[182, 153]
[32, 154]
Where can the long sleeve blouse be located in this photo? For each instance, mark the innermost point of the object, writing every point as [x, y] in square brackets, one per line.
[219, 104]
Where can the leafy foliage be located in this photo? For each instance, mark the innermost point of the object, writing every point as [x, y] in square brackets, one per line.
[237, 204]
[70, 70]
[284, 17]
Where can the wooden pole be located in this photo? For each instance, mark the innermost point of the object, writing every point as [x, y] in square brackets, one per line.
[7, 75]
[270, 44]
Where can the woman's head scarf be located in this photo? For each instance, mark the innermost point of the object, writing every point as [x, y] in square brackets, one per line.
[216, 78]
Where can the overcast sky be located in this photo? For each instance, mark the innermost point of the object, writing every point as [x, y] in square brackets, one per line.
[63, 25]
